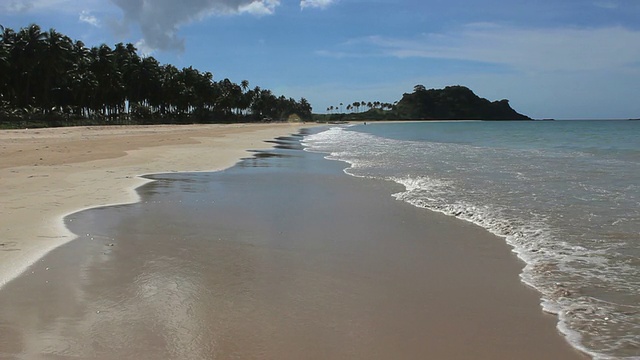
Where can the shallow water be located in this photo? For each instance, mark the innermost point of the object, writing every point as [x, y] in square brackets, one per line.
[565, 195]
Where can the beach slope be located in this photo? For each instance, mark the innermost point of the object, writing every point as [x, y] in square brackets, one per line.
[46, 174]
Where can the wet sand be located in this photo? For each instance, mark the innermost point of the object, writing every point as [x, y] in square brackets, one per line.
[280, 257]
[46, 174]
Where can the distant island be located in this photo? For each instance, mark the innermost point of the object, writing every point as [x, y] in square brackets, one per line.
[451, 103]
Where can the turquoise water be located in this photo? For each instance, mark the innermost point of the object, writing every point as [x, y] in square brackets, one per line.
[565, 195]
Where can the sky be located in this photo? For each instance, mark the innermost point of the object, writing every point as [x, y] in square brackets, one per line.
[563, 59]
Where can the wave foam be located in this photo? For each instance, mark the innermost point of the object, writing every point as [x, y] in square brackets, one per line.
[554, 266]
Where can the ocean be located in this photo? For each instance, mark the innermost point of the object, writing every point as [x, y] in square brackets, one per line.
[564, 194]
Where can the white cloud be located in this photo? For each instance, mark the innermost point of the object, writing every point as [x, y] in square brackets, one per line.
[559, 49]
[321, 4]
[260, 8]
[86, 17]
[159, 20]
[143, 49]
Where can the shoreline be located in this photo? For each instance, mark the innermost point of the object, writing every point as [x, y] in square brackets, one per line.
[571, 336]
[234, 140]
[48, 174]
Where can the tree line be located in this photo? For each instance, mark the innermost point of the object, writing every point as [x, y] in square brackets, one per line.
[47, 77]
[357, 105]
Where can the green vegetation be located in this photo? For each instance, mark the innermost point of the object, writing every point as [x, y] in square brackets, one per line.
[47, 79]
[453, 103]
[450, 103]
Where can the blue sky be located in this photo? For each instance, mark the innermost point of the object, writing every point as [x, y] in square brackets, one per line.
[551, 58]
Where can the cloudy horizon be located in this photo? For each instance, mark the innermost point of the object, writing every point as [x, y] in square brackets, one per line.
[575, 59]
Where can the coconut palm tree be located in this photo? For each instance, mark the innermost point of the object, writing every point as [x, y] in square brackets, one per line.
[228, 97]
[147, 92]
[128, 63]
[110, 90]
[171, 89]
[263, 105]
[304, 108]
[57, 51]
[7, 39]
[79, 84]
[28, 49]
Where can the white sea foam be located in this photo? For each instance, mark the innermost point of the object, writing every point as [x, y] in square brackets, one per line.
[556, 208]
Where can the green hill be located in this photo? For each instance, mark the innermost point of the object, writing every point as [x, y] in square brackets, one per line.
[453, 103]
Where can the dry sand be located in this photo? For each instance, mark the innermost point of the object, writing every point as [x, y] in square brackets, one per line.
[46, 174]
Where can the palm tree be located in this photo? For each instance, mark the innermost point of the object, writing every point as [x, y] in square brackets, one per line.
[128, 64]
[110, 91]
[187, 79]
[28, 55]
[263, 104]
[78, 85]
[170, 89]
[236, 97]
[244, 102]
[304, 108]
[228, 96]
[57, 52]
[147, 93]
[7, 40]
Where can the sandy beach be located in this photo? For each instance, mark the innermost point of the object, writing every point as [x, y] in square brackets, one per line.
[218, 266]
[46, 174]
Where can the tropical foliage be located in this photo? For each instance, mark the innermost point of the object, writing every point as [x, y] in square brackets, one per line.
[453, 103]
[48, 79]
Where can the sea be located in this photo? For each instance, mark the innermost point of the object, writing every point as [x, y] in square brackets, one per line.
[565, 195]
